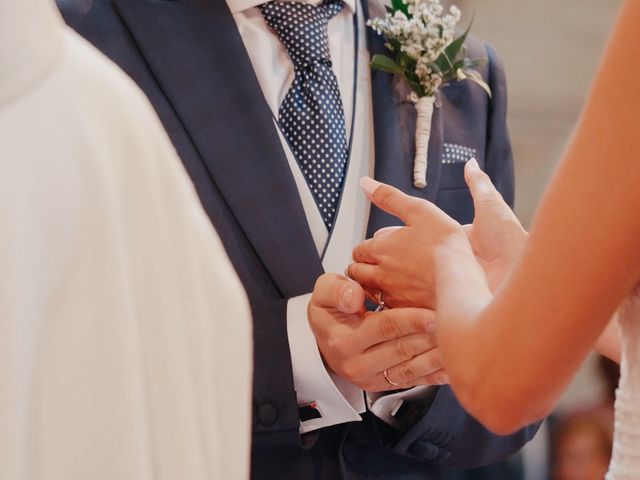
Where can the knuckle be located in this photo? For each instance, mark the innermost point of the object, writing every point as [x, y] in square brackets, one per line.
[407, 372]
[387, 197]
[354, 269]
[421, 320]
[321, 282]
[434, 363]
[404, 350]
[375, 249]
[389, 328]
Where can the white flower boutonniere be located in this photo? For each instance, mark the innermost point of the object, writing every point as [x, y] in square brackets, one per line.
[420, 38]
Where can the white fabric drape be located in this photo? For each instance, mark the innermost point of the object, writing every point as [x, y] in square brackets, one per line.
[125, 348]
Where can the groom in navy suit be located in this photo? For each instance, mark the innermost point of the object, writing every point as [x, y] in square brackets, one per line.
[275, 124]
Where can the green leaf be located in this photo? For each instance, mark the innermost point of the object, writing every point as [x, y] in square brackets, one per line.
[385, 64]
[435, 68]
[443, 63]
[477, 78]
[459, 64]
[451, 51]
[415, 86]
[401, 6]
[389, 9]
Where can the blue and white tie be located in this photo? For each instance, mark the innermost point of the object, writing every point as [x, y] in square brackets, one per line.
[311, 115]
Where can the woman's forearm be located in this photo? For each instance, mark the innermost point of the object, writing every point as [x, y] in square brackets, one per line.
[581, 260]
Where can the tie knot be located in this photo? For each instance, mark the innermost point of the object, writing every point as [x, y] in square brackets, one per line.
[302, 29]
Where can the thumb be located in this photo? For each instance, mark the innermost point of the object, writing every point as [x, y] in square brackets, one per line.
[339, 293]
[480, 186]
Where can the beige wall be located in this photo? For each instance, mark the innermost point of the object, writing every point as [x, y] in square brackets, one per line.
[550, 50]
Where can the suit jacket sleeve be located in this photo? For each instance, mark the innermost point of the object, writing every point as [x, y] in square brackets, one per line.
[446, 434]
[498, 155]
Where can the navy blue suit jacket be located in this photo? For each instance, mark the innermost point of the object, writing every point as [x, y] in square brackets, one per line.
[188, 57]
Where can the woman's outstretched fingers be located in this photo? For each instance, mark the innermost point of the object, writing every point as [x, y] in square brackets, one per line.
[364, 252]
[366, 275]
[393, 201]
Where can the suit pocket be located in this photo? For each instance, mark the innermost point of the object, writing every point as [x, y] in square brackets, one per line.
[454, 158]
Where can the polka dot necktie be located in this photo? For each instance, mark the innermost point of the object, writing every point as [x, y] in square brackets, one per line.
[311, 115]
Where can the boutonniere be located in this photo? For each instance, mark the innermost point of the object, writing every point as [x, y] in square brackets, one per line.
[419, 35]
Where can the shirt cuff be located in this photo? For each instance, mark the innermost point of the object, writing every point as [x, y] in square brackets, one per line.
[386, 406]
[337, 400]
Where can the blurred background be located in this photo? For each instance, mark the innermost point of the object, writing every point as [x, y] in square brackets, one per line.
[550, 51]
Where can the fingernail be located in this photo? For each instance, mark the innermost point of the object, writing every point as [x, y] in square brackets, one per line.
[347, 295]
[369, 185]
[385, 230]
[473, 163]
[481, 183]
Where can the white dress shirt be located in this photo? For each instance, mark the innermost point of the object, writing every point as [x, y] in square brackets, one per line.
[117, 356]
[338, 400]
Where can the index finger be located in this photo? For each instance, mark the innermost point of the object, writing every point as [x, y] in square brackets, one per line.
[394, 201]
[395, 323]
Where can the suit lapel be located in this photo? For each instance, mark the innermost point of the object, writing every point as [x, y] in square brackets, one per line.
[394, 121]
[195, 51]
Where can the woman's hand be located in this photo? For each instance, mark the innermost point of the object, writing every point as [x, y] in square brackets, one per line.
[399, 262]
[496, 236]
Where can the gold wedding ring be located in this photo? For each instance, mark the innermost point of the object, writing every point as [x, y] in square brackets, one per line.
[386, 377]
[380, 301]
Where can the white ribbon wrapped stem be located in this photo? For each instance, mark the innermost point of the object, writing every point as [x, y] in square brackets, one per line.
[424, 107]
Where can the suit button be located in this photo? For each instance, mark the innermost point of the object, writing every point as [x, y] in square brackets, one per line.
[428, 452]
[267, 414]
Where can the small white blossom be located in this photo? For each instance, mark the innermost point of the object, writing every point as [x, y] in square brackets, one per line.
[422, 36]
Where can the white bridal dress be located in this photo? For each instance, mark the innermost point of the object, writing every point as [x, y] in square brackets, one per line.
[124, 332]
[625, 464]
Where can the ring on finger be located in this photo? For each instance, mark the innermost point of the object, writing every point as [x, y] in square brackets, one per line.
[389, 381]
[380, 300]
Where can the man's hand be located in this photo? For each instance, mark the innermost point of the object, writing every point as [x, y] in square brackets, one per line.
[360, 346]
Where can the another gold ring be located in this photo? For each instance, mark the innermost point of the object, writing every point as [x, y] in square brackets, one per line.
[380, 301]
[386, 377]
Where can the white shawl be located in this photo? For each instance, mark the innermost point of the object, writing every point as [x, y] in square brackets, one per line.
[124, 332]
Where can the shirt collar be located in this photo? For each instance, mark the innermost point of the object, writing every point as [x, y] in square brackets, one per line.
[237, 6]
